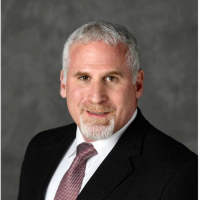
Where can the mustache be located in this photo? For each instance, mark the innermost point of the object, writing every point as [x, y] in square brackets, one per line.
[102, 107]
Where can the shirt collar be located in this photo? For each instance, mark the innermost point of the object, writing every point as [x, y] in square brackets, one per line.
[103, 147]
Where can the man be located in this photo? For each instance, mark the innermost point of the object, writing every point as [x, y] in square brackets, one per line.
[102, 81]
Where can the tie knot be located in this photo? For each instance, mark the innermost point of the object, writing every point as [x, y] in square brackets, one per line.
[85, 150]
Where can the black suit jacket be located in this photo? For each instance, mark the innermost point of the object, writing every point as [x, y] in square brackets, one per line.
[144, 164]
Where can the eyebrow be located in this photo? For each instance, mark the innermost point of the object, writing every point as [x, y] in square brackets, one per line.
[82, 73]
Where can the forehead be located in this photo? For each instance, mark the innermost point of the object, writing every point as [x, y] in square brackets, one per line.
[97, 52]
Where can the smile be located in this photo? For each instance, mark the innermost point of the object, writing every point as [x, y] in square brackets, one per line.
[97, 114]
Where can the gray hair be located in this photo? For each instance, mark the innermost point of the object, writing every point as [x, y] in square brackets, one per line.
[112, 34]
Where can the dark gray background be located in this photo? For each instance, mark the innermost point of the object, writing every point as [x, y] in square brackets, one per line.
[33, 35]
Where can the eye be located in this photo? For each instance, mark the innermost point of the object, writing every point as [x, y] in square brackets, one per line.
[84, 78]
[111, 78]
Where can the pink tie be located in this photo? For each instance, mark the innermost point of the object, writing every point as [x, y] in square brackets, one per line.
[71, 182]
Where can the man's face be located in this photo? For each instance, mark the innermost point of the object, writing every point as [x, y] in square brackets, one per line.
[101, 97]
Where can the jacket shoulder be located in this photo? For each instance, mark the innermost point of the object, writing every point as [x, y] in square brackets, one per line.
[167, 150]
[53, 136]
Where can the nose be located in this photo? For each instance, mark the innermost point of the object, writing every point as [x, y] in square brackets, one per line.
[97, 93]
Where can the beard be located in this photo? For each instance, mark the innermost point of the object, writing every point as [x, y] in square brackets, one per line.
[95, 128]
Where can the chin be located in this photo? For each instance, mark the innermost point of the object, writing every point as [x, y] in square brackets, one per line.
[96, 131]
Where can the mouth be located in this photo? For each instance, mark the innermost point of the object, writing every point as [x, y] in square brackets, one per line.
[97, 114]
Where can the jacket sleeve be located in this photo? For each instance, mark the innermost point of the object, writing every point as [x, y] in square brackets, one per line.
[183, 185]
[24, 169]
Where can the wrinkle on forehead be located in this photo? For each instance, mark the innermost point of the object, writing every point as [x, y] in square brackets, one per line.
[95, 54]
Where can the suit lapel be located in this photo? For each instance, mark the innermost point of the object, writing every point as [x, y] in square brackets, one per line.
[117, 165]
[49, 158]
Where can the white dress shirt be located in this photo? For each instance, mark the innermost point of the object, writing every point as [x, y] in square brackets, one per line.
[103, 147]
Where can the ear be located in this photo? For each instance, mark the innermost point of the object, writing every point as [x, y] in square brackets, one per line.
[139, 84]
[62, 86]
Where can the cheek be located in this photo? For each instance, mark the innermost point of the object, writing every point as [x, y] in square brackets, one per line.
[125, 100]
[124, 95]
[74, 95]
